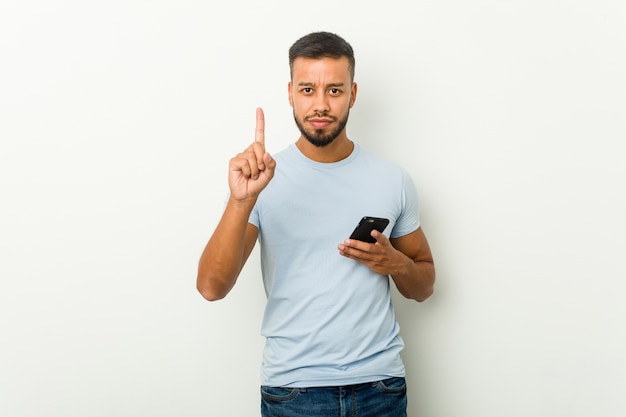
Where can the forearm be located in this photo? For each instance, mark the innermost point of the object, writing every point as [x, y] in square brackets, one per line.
[225, 253]
[414, 279]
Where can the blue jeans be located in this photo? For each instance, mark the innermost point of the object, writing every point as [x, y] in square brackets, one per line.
[386, 398]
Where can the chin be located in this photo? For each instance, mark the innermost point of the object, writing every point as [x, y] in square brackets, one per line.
[319, 141]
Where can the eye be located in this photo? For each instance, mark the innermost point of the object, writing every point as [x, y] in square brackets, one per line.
[335, 91]
[307, 90]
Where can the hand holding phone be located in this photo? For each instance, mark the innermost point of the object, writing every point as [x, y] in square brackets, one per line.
[364, 229]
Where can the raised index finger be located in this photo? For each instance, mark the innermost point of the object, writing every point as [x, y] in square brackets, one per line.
[259, 131]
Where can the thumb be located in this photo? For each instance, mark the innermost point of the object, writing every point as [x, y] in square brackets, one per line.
[270, 164]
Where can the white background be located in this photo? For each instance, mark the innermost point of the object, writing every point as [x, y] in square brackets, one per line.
[117, 120]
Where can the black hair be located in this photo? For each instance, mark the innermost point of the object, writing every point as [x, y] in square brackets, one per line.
[318, 45]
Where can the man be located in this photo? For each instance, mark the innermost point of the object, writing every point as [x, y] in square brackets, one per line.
[332, 340]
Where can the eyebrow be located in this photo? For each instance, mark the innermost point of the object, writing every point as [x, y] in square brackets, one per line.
[308, 84]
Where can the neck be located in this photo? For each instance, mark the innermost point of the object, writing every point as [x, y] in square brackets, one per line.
[337, 150]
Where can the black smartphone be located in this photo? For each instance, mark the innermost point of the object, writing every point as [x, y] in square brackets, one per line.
[366, 225]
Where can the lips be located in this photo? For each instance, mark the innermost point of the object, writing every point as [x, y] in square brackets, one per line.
[318, 122]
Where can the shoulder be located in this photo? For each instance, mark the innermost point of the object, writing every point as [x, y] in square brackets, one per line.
[382, 164]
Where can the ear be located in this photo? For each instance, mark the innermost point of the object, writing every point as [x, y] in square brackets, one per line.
[289, 87]
[353, 94]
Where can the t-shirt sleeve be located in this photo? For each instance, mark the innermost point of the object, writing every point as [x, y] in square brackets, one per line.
[409, 220]
[254, 216]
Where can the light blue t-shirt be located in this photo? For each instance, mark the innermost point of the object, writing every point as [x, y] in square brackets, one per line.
[329, 320]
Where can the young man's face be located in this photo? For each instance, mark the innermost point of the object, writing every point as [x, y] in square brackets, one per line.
[321, 93]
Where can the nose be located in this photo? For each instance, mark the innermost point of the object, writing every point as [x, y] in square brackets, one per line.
[320, 104]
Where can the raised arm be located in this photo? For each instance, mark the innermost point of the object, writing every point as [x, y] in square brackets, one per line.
[233, 239]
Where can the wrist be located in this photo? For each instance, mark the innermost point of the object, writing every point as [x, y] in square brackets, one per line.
[243, 204]
[403, 264]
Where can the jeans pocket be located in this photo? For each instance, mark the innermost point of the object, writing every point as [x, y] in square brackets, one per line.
[392, 385]
[278, 394]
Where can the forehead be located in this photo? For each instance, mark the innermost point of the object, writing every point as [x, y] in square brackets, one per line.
[322, 70]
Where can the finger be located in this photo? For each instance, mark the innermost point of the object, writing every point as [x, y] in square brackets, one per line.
[241, 165]
[381, 239]
[254, 164]
[259, 131]
[349, 249]
[257, 151]
[246, 162]
[352, 245]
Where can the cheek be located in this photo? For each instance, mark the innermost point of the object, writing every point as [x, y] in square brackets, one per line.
[299, 105]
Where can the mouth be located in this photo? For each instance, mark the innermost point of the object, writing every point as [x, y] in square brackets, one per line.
[319, 122]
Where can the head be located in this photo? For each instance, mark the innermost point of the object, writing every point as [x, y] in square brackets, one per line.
[322, 88]
[318, 45]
